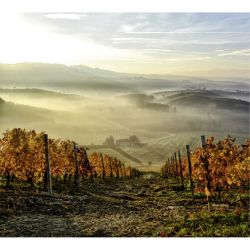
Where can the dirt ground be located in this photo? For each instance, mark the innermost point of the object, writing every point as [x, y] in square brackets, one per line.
[140, 207]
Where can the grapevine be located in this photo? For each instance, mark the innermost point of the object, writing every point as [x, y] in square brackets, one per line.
[22, 157]
[216, 167]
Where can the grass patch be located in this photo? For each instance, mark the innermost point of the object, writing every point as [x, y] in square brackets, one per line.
[210, 224]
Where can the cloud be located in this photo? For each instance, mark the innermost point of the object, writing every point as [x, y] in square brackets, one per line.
[131, 38]
[186, 32]
[244, 52]
[65, 16]
[171, 41]
[221, 50]
[161, 50]
[190, 58]
[127, 28]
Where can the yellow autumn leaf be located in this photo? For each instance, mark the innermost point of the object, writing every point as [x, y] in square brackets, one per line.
[207, 192]
[229, 181]
[201, 178]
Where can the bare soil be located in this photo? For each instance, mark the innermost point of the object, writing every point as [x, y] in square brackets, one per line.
[140, 207]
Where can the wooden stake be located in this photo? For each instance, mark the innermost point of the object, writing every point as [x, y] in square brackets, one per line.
[170, 166]
[120, 168]
[103, 167]
[110, 165]
[173, 167]
[48, 170]
[203, 141]
[123, 169]
[190, 170]
[88, 165]
[117, 169]
[206, 166]
[182, 180]
[77, 173]
[176, 164]
[169, 173]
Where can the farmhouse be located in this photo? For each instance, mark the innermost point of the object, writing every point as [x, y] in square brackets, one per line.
[132, 141]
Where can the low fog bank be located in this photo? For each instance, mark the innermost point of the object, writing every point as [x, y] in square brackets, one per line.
[91, 120]
[88, 105]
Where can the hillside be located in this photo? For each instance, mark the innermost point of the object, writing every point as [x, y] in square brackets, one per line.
[141, 207]
[83, 78]
[115, 152]
[158, 149]
[163, 120]
[34, 93]
[42, 98]
[16, 113]
[200, 99]
[203, 99]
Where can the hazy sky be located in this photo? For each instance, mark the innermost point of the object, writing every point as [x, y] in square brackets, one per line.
[184, 44]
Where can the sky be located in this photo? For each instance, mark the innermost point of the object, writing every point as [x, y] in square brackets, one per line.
[193, 44]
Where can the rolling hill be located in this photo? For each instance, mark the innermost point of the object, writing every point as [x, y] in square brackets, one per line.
[22, 114]
[82, 78]
[203, 99]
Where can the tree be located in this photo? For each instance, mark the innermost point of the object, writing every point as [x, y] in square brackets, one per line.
[109, 141]
[134, 139]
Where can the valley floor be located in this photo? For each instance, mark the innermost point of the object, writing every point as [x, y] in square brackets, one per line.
[142, 207]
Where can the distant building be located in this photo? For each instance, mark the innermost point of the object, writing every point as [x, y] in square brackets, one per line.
[124, 142]
[132, 141]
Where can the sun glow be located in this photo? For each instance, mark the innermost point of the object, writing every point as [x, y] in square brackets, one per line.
[114, 43]
[22, 41]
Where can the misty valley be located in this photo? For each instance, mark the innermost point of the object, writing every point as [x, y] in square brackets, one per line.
[125, 124]
[88, 105]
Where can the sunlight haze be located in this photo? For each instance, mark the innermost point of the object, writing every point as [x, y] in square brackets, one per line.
[214, 45]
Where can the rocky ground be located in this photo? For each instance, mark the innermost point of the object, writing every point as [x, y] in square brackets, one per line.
[140, 207]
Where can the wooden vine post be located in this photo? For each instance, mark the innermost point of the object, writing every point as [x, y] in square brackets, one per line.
[116, 168]
[77, 172]
[120, 168]
[190, 170]
[176, 166]
[169, 173]
[130, 172]
[207, 174]
[124, 170]
[48, 181]
[168, 169]
[87, 165]
[103, 167]
[110, 166]
[180, 163]
[173, 167]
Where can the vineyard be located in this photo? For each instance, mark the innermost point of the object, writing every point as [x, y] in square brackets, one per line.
[212, 168]
[32, 157]
[53, 187]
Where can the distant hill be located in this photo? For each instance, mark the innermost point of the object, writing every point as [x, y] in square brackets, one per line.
[194, 110]
[204, 98]
[38, 93]
[82, 78]
[144, 101]
[54, 77]
[43, 98]
[22, 114]
[114, 152]
[158, 150]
